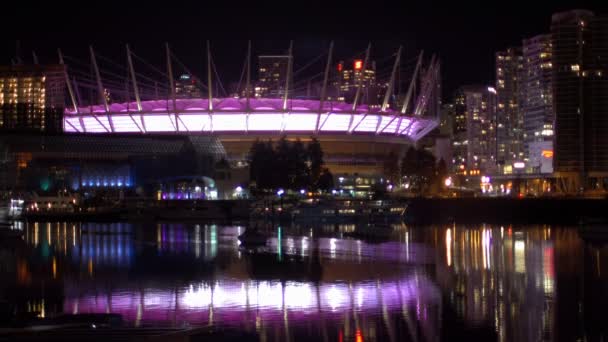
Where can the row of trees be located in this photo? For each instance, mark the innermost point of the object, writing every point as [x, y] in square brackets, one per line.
[418, 168]
[288, 165]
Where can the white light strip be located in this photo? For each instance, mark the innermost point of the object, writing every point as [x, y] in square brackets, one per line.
[244, 122]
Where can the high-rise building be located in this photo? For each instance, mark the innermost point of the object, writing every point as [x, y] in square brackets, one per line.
[509, 119]
[351, 76]
[187, 87]
[580, 98]
[474, 146]
[537, 104]
[32, 97]
[272, 73]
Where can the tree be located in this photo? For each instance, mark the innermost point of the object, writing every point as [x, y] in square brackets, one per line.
[409, 164]
[419, 167]
[298, 171]
[391, 167]
[261, 164]
[442, 169]
[326, 180]
[315, 158]
[281, 171]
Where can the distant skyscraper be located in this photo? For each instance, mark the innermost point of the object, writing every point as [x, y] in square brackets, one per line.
[351, 75]
[537, 104]
[272, 73]
[187, 87]
[474, 145]
[32, 97]
[509, 119]
[580, 96]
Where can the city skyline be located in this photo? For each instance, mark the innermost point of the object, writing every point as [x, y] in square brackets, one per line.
[446, 30]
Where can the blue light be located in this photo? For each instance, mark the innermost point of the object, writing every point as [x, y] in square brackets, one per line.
[105, 183]
[90, 183]
[119, 183]
[97, 184]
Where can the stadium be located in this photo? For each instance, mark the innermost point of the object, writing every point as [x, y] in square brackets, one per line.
[355, 136]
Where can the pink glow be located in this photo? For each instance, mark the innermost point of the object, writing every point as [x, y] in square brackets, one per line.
[300, 122]
[267, 298]
[229, 122]
[337, 123]
[265, 122]
[230, 116]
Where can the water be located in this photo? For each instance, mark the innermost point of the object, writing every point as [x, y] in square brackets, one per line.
[506, 283]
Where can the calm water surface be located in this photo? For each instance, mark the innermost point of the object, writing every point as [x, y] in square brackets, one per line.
[487, 282]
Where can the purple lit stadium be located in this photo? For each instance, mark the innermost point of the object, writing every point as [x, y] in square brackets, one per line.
[355, 132]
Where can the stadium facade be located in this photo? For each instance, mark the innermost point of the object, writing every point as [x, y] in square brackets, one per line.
[355, 136]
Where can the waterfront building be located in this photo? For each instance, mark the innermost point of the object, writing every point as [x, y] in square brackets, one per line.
[580, 99]
[537, 104]
[474, 144]
[187, 87]
[509, 119]
[273, 71]
[32, 98]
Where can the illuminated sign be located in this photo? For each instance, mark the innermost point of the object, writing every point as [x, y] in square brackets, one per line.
[547, 153]
[358, 64]
[519, 165]
[340, 66]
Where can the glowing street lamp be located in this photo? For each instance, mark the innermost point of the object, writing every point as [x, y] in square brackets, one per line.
[448, 182]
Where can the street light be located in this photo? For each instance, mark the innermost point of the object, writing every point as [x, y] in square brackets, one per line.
[448, 182]
[280, 192]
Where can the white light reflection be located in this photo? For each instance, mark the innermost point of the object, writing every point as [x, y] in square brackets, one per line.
[448, 246]
[332, 247]
[520, 256]
[485, 243]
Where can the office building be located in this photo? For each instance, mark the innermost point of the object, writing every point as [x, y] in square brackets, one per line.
[537, 104]
[272, 74]
[474, 146]
[32, 98]
[580, 97]
[509, 119]
[187, 87]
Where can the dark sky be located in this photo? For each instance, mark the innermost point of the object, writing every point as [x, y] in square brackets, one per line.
[464, 35]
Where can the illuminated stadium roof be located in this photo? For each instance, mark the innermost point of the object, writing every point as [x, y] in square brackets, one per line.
[231, 115]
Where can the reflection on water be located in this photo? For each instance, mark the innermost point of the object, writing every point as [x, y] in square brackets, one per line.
[525, 283]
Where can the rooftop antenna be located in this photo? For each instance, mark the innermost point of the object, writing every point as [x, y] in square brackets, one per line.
[248, 81]
[410, 89]
[171, 85]
[67, 81]
[133, 79]
[100, 88]
[359, 86]
[324, 87]
[209, 78]
[289, 66]
[391, 83]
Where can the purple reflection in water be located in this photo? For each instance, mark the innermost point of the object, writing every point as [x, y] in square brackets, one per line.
[231, 300]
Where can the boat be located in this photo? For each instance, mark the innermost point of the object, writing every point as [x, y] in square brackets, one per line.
[340, 211]
[252, 238]
[371, 233]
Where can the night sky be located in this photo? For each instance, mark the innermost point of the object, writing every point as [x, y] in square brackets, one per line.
[465, 36]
